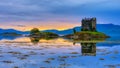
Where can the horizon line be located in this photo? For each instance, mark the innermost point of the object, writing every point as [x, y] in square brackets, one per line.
[53, 29]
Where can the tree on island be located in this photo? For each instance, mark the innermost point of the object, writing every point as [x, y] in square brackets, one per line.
[35, 32]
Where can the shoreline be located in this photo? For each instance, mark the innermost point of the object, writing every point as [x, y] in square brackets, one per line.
[66, 41]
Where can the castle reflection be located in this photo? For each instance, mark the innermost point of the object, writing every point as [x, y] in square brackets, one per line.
[88, 49]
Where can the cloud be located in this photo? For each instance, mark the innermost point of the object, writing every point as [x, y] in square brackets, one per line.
[57, 10]
[20, 25]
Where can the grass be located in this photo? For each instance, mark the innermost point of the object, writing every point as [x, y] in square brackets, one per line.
[90, 35]
[90, 32]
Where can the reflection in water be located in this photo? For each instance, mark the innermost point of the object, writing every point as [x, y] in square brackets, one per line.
[88, 49]
[34, 40]
[9, 37]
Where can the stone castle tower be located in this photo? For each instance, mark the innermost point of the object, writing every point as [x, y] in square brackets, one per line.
[88, 24]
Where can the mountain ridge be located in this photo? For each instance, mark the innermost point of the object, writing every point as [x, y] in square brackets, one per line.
[109, 29]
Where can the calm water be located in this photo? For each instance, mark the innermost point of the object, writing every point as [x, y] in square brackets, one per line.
[25, 52]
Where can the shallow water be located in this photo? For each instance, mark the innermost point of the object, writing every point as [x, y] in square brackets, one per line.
[58, 53]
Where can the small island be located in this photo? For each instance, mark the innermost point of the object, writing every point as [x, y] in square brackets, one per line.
[35, 33]
[88, 31]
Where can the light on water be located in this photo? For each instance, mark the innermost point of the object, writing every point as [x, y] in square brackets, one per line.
[57, 53]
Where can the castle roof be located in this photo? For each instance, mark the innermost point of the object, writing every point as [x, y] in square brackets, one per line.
[88, 19]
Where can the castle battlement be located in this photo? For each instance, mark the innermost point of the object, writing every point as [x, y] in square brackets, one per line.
[88, 24]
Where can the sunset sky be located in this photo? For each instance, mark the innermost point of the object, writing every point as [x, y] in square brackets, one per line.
[56, 14]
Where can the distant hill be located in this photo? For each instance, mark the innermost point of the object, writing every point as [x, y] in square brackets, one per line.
[64, 32]
[13, 31]
[109, 29]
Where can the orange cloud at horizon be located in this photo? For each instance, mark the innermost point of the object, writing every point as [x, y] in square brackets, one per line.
[25, 26]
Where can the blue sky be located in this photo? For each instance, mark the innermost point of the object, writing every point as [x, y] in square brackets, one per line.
[56, 14]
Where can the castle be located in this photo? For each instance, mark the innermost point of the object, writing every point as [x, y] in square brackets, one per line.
[88, 24]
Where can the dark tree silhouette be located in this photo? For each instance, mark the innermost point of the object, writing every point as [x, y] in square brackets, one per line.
[34, 32]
